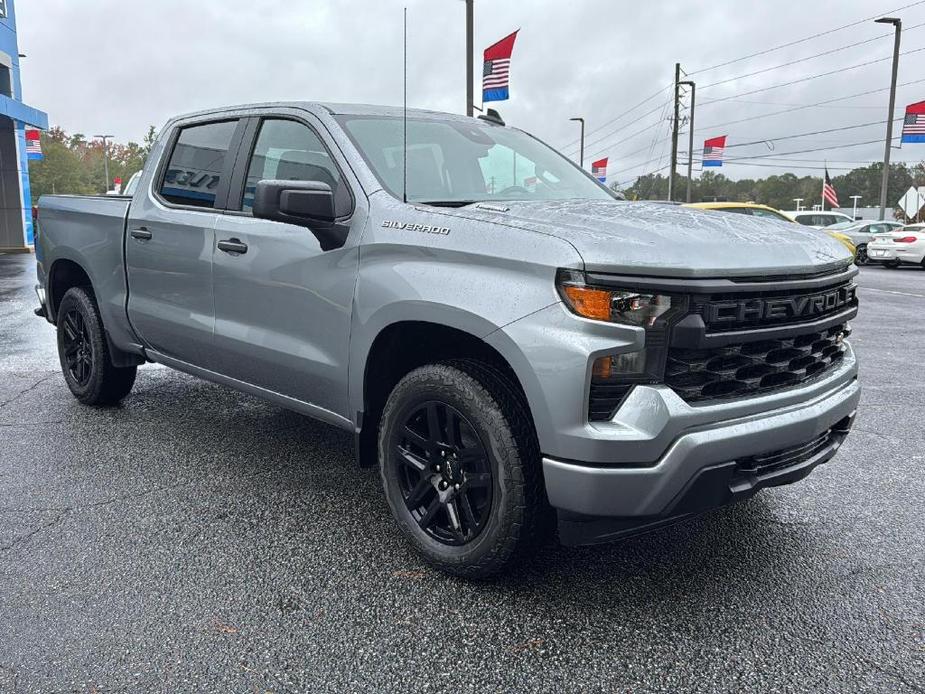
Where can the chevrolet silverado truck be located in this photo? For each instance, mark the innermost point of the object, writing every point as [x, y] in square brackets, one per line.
[515, 349]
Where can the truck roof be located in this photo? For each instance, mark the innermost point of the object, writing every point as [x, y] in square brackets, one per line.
[329, 107]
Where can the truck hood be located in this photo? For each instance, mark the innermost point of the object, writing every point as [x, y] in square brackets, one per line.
[670, 240]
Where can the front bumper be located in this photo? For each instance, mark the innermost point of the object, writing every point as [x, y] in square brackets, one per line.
[703, 468]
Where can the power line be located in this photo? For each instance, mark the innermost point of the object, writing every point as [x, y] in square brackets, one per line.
[805, 39]
[800, 108]
[809, 57]
[815, 132]
[620, 128]
[811, 77]
[628, 111]
[805, 151]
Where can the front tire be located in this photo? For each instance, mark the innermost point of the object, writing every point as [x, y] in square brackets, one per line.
[461, 468]
[84, 352]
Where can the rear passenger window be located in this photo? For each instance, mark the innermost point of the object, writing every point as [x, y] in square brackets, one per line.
[290, 151]
[197, 164]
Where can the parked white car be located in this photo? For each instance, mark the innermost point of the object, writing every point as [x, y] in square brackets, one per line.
[817, 220]
[862, 233]
[905, 246]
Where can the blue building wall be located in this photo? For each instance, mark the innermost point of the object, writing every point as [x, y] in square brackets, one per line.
[15, 193]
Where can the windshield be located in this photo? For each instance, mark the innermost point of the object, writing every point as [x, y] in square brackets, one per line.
[454, 162]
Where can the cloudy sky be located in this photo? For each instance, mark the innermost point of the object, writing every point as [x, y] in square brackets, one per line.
[119, 65]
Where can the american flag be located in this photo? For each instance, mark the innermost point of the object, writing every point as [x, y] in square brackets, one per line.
[713, 151]
[496, 69]
[34, 145]
[828, 191]
[914, 123]
[599, 169]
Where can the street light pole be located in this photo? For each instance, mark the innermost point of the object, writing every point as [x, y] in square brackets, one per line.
[581, 149]
[690, 142]
[105, 139]
[470, 48]
[884, 182]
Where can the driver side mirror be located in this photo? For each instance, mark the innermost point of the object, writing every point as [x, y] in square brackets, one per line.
[305, 203]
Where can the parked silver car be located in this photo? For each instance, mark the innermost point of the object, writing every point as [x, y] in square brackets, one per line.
[861, 233]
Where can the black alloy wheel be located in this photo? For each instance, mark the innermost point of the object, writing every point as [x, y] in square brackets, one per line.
[445, 476]
[860, 257]
[78, 347]
[84, 353]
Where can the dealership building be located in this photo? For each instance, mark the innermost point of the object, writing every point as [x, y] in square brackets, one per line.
[16, 231]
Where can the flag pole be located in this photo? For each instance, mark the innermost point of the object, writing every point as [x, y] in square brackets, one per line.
[824, 174]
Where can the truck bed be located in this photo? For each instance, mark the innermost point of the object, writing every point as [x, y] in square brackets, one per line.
[88, 230]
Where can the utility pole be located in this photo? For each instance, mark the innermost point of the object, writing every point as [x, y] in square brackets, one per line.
[884, 183]
[105, 139]
[690, 143]
[470, 49]
[674, 131]
[854, 210]
[581, 150]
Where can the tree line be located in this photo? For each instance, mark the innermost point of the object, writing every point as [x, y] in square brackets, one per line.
[75, 165]
[780, 191]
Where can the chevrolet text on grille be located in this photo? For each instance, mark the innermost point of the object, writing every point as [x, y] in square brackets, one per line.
[782, 307]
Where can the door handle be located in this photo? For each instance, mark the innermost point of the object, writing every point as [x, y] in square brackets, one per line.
[232, 246]
[141, 234]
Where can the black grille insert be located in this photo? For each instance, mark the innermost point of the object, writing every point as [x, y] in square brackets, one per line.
[752, 368]
[743, 310]
[768, 463]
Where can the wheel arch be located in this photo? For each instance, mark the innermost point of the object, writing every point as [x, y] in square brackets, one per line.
[400, 346]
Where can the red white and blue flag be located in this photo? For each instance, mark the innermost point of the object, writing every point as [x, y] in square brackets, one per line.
[914, 123]
[34, 145]
[496, 70]
[828, 191]
[713, 151]
[599, 169]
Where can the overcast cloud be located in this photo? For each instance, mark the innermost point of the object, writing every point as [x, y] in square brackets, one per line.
[118, 66]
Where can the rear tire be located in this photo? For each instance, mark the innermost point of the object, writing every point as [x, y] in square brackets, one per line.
[84, 352]
[461, 468]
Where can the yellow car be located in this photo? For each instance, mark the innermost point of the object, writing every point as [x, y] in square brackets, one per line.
[756, 210]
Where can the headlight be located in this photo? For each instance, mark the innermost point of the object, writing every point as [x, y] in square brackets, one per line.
[626, 306]
[614, 375]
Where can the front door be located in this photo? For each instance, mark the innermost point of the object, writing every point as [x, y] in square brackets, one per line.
[282, 305]
[171, 236]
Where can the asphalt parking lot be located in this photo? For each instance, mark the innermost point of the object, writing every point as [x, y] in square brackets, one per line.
[195, 539]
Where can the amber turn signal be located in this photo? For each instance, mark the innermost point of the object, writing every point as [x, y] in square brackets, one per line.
[588, 302]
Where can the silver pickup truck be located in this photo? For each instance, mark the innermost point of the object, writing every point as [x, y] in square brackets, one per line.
[514, 348]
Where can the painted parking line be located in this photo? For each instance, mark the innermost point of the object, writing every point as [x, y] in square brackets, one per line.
[890, 291]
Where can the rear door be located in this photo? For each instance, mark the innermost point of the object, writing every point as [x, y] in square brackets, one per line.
[170, 238]
[282, 305]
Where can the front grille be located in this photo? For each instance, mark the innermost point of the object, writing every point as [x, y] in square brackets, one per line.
[761, 309]
[752, 368]
[768, 463]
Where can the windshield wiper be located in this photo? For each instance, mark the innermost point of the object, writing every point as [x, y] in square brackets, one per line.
[446, 203]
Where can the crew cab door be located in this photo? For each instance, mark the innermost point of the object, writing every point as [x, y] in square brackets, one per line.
[170, 238]
[282, 305]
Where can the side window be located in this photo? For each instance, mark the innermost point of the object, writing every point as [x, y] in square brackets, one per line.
[737, 210]
[290, 151]
[806, 220]
[197, 164]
